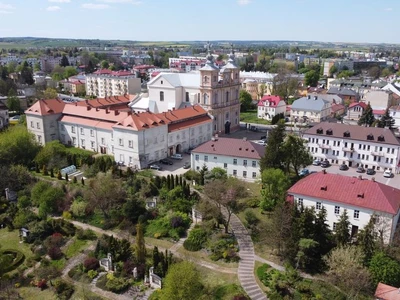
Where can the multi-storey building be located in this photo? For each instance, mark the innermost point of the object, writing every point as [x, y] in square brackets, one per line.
[270, 106]
[369, 147]
[240, 158]
[134, 139]
[362, 199]
[216, 90]
[312, 108]
[105, 83]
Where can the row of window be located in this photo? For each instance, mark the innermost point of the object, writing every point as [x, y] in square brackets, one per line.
[254, 174]
[235, 161]
[318, 206]
[359, 156]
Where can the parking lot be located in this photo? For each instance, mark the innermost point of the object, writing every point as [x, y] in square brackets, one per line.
[175, 169]
[394, 181]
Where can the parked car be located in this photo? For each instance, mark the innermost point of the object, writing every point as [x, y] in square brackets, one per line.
[370, 172]
[177, 156]
[304, 172]
[186, 165]
[325, 164]
[387, 174]
[261, 142]
[343, 167]
[188, 151]
[166, 161]
[155, 167]
[316, 162]
[263, 138]
[360, 170]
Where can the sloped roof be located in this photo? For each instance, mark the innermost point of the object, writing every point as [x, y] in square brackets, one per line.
[46, 107]
[273, 101]
[349, 190]
[179, 79]
[309, 103]
[341, 91]
[387, 292]
[107, 102]
[362, 104]
[232, 147]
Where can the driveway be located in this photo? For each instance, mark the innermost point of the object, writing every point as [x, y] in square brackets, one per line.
[176, 168]
[394, 181]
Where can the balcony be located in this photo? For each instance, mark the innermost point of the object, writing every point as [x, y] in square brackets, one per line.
[377, 153]
[348, 149]
[324, 146]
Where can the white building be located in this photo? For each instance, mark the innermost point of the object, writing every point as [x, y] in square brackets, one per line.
[369, 147]
[361, 199]
[105, 83]
[134, 139]
[270, 106]
[394, 112]
[240, 158]
[4, 117]
[312, 108]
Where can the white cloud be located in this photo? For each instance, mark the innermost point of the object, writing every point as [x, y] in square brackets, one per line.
[388, 9]
[53, 8]
[243, 2]
[136, 2]
[60, 1]
[6, 8]
[5, 12]
[95, 6]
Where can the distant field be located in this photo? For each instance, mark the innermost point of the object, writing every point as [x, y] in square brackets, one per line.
[161, 44]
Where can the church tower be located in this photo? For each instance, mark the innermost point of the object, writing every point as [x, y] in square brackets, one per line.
[219, 93]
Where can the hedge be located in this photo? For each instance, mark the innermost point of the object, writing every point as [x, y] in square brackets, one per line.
[19, 258]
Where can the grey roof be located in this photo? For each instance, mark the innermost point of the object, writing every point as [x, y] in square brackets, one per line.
[341, 91]
[180, 79]
[311, 104]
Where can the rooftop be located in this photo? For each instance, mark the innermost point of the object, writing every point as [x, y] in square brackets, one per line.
[349, 190]
[179, 79]
[273, 101]
[46, 107]
[310, 103]
[232, 147]
[354, 132]
[387, 292]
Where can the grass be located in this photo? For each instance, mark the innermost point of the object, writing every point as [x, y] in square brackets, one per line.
[82, 291]
[201, 255]
[251, 117]
[10, 240]
[260, 284]
[34, 293]
[59, 263]
[75, 247]
[158, 242]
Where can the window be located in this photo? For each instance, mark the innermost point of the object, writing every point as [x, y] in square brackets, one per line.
[32, 124]
[225, 165]
[103, 141]
[121, 142]
[161, 96]
[91, 132]
[337, 210]
[73, 129]
[254, 164]
[356, 214]
[244, 162]
[39, 139]
[196, 157]
[254, 174]
[205, 157]
[235, 161]
[334, 226]
[74, 140]
[92, 144]
[300, 202]
[234, 172]
[82, 131]
[244, 174]
[318, 205]
[130, 144]
[187, 96]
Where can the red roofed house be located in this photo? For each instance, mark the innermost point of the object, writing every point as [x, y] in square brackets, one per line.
[105, 83]
[355, 110]
[361, 198]
[134, 139]
[240, 158]
[270, 106]
[387, 292]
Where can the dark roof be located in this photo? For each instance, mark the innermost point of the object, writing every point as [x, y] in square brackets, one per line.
[341, 91]
[361, 133]
[349, 190]
[232, 147]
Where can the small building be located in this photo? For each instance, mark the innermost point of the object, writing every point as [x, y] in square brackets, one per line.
[361, 198]
[355, 110]
[347, 95]
[151, 203]
[337, 110]
[24, 233]
[270, 106]
[240, 158]
[313, 109]
[4, 117]
[386, 292]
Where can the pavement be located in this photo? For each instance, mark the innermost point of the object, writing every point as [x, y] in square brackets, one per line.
[176, 168]
[378, 176]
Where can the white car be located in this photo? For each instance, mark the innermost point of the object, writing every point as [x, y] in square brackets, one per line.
[387, 174]
[261, 142]
[177, 156]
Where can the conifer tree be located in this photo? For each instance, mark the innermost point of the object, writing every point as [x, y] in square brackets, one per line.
[156, 257]
[367, 240]
[66, 177]
[75, 180]
[168, 181]
[176, 180]
[140, 247]
[386, 120]
[83, 181]
[367, 118]
[51, 173]
[180, 180]
[274, 153]
[342, 233]
[59, 176]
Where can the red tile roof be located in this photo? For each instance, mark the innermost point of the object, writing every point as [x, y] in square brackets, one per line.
[113, 73]
[362, 104]
[46, 107]
[189, 123]
[349, 190]
[273, 101]
[378, 111]
[387, 292]
[337, 107]
[107, 102]
[232, 147]
[87, 122]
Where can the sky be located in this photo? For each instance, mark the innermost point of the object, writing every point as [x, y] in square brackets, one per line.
[358, 21]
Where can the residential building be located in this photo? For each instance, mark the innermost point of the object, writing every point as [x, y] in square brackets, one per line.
[216, 90]
[394, 112]
[386, 292]
[4, 117]
[134, 139]
[270, 106]
[337, 110]
[379, 99]
[347, 95]
[240, 158]
[312, 109]
[355, 110]
[362, 199]
[369, 147]
[105, 83]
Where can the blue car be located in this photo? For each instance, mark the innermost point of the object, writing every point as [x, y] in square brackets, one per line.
[304, 172]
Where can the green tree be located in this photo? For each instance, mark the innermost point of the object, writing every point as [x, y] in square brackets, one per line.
[332, 70]
[104, 64]
[13, 103]
[367, 118]
[202, 172]
[274, 186]
[322, 232]
[64, 61]
[69, 71]
[50, 93]
[47, 197]
[386, 120]
[26, 74]
[140, 246]
[53, 154]
[342, 232]
[384, 269]
[182, 283]
[296, 153]
[306, 254]
[58, 73]
[36, 67]
[274, 154]
[245, 100]
[366, 239]
[218, 173]
[311, 78]
[374, 72]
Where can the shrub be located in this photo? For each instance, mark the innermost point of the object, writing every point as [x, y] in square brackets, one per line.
[42, 284]
[197, 237]
[117, 285]
[224, 248]
[66, 215]
[90, 263]
[92, 274]
[59, 176]
[55, 253]
[192, 175]
[250, 217]
[17, 258]
[63, 289]
[86, 234]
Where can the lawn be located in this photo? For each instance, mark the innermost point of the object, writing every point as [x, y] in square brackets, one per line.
[34, 293]
[201, 255]
[10, 240]
[75, 247]
[158, 242]
[260, 284]
[251, 117]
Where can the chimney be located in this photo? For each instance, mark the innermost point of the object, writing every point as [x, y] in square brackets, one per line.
[315, 97]
[360, 177]
[173, 108]
[76, 103]
[88, 107]
[116, 112]
[107, 111]
[245, 139]
[373, 179]
[129, 113]
[323, 171]
[97, 109]
[87, 101]
[308, 96]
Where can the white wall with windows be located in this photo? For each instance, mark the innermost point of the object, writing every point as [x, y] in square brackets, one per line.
[45, 129]
[244, 168]
[358, 216]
